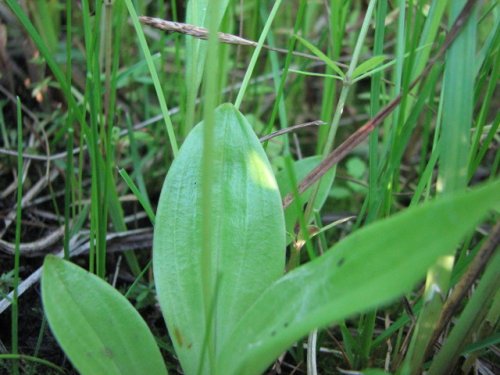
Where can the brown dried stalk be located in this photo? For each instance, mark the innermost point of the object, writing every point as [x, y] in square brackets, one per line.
[202, 33]
[291, 129]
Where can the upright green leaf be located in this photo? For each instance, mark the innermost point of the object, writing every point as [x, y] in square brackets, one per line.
[428, 36]
[369, 268]
[248, 235]
[458, 105]
[454, 147]
[196, 49]
[98, 329]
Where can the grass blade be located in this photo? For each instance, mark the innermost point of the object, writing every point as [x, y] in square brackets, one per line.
[454, 145]
[17, 256]
[154, 76]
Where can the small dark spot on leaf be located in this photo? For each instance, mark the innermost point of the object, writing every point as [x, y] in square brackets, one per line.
[178, 336]
[296, 229]
[273, 333]
[190, 345]
[107, 352]
[286, 324]
[341, 262]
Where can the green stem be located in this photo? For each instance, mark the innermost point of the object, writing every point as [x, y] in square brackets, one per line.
[279, 101]
[207, 179]
[17, 256]
[347, 81]
[256, 53]
[154, 76]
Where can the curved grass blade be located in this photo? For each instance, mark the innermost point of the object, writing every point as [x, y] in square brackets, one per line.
[315, 50]
[248, 235]
[368, 65]
[98, 329]
[370, 268]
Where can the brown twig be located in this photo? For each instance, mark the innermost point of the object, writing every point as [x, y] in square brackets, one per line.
[117, 242]
[340, 152]
[41, 183]
[38, 247]
[291, 129]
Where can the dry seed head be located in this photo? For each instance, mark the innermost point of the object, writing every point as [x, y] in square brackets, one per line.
[192, 30]
[202, 33]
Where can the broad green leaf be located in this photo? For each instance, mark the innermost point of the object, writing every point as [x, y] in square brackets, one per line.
[321, 55]
[371, 267]
[356, 167]
[368, 65]
[301, 168]
[248, 234]
[374, 371]
[98, 329]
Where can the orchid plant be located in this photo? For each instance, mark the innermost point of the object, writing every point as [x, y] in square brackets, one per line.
[219, 268]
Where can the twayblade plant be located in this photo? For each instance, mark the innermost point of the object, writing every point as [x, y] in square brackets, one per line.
[255, 312]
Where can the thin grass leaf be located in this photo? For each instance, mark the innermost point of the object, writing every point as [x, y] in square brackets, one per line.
[17, 255]
[140, 197]
[316, 51]
[481, 142]
[368, 65]
[51, 62]
[212, 79]
[256, 53]
[454, 146]
[383, 67]
[428, 35]
[337, 22]
[457, 107]
[154, 76]
[489, 341]
[312, 74]
[358, 77]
